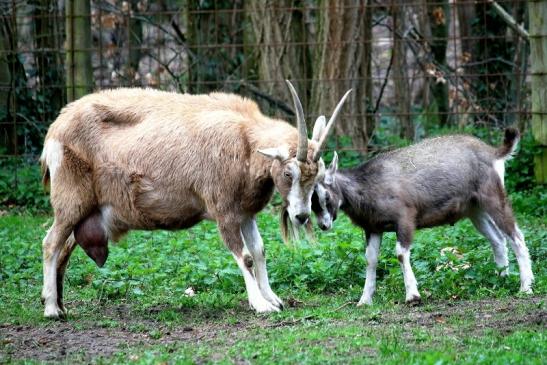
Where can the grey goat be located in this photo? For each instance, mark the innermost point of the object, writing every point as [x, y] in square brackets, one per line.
[435, 182]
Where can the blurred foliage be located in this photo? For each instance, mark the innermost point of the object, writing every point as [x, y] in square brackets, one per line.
[21, 186]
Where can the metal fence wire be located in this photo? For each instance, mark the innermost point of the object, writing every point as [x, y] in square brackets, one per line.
[414, 65]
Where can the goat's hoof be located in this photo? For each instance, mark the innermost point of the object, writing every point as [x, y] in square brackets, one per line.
[274, 299]
[526, 290]
[413, 300]
[503, 273]
[53, 312]
[264, 306]
[364, 301]
[279, 304]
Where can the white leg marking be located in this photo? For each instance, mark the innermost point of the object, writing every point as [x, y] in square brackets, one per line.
[49, 290]
[45, 267]
[523, 259]
[53, 156]
[52, 247]
[411, 286]
[499, 166]
[253, 242]
[256, 300]
[486, 226]
[373, 251]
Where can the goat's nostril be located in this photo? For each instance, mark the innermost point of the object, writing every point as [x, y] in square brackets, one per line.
[302, 218]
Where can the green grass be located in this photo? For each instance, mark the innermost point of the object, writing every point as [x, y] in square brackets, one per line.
[469, 314]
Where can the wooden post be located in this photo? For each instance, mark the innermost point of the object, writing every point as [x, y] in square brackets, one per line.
[538, 46]
[78, 49]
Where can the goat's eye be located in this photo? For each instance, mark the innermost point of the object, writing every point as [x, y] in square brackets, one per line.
[287, 174]
[327, 198]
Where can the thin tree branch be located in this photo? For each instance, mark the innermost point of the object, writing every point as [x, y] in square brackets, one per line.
[386, 79]
[509, 20]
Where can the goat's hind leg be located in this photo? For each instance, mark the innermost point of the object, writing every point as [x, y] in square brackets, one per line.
[502, 215]
[54, 249]
[523, 259]
[61, 269]
[486, 226]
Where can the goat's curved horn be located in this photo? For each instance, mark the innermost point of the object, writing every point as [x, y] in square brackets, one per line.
[302, 151]
[326, 131]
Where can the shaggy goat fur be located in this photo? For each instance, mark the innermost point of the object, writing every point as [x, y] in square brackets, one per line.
[144, 159]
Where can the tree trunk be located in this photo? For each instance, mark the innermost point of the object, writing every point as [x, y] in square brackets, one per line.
[439, 21]
[496, 51]
[466, 16]
[49, 64]
[518, 78]
[400, 72]
[12, 77]
[214, 67]
[78, 49]
[277, 48]
[6, 132]
[538, 44]
[134, 43]
[340, 61]
[5, 70]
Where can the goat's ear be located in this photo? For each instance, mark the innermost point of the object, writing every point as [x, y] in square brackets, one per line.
[330, 176]
[277, 153]
[318, 128]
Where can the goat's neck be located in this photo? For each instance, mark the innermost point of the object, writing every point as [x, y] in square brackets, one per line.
[267, 133]
[354, 195]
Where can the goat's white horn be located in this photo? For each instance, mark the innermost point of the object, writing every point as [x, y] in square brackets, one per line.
[330, 124]
[302, 151]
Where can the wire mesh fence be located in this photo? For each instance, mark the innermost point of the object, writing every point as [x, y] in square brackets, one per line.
[414, 65]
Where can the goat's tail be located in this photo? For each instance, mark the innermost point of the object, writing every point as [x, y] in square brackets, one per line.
[510, 142]
[45, 171]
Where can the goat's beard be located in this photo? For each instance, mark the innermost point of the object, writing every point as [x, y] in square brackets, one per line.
[290, 232]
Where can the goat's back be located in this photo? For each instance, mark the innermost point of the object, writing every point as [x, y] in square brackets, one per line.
[145, 126]
[438, 179]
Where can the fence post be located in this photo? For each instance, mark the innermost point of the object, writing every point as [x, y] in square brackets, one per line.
[538, 45]
[78, 49]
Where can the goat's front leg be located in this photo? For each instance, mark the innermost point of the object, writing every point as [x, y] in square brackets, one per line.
[232, 236]
[372, 252]
[486, 226]
[255, 245]
[402, 250]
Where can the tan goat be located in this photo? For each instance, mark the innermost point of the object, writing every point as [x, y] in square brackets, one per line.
[146, 159]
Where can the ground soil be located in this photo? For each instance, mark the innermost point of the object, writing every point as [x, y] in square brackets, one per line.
[85, 339]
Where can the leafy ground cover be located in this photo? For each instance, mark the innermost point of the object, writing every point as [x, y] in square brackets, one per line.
[135, 310]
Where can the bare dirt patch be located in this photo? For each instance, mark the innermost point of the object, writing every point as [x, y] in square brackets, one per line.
[504, 315]
[86, 339]
[119, 328]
